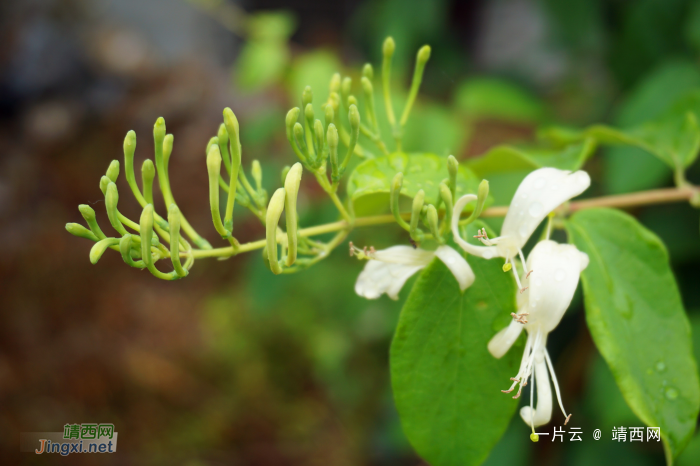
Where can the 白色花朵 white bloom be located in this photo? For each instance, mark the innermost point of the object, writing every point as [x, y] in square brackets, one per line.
[555, 270]
[388, 269]
[539, 193]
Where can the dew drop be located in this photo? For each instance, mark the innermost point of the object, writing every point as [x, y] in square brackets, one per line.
[524, 195]
[539, 183]
[523, 230]
[538, 282]
[559, 275]
[536, 209]
[660, 366]
[554, 187]
[671, 393]
[488, 255]
[515, 204]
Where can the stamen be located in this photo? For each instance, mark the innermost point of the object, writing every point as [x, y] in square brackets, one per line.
[528, 274]
[567, 419]
[361, 253]
[521, 317]
[523, 289]
[556, 384]
[515, 274]
[532, 404]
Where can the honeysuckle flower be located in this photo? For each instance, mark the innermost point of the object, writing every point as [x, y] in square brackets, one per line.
[538, 195]
[554, 274]
[388, 269]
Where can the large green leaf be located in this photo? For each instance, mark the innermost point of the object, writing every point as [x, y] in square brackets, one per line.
[637, 320]
[447, 386]
[420, 171]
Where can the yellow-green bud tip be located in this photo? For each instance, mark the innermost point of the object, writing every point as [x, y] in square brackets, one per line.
[507, 266]
[230, 121]
[397, 182]
[214, 157]
[354, 116]
[389, 46]
[424, 54]
[332, 136]
[335, 83]
[113, 170]
[86, 210]
[309, 111]
[222, 134]
[368, 71]
[130, 142]
[292, 116]
[483, 189]
[307, 96]
[159, 128]
[534, 437]
[452, 164]
[346, 85]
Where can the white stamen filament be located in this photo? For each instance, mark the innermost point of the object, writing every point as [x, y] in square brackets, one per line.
[532, 404]
[556, 384]
[525, 364]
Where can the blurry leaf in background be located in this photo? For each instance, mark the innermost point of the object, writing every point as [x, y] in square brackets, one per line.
[447, 386]
[628, 168]
[265, 55]
[434, 128]
[420, 171]
[483, 98]
[636, 317]
[313, 69]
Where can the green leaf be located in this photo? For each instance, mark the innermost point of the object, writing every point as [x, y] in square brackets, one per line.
[261, 63]
[499, 99]
[447, 386]
[420, 171]
[637, 320]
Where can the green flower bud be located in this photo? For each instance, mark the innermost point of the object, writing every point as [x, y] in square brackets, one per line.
[148, 173]
[335, 83]
[368, 71]
[309, 113]
[231, 123]
[332, 139]
[285, 172]
[274, 211]
[167, 148]
[307, 96]
[100, 247]
[111, 201]
[129, 150]
[299, 137]
[388, 47]
[212, 140]
[125, 249]
[319, 140]
[174, 218]
[89, 215]
[291, 189]
[146, 227]
[452, 169]
[345, 89]
[432, 217]
[396, 184]
[416, 211]
[329, 114]
[104, 181]
[113, 170]
[424, 54]
[222, 142]
[214, 171]
[352, 100]
[80, 231]
[256, 172]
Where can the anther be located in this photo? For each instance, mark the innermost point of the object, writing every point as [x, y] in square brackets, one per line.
[523, 289]
[567, 419]
[528, 274]
[352, 249]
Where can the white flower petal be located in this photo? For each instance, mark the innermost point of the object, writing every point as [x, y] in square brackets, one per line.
[555, 270]
[381, 277]
[487, 252]
[503, 340]
[540, 193]
[543, 413]
[406, 255]
[458, 266]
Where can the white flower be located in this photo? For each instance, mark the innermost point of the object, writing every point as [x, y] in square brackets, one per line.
[555, 270]
[387, 270]
[539, 193]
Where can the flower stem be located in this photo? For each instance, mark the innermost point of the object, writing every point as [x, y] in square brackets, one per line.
[655, 196]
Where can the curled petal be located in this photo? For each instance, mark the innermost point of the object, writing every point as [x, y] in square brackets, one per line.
[487, 252]
[503, 340]
[382, 277]
[543, 413]
[458, 266]
[540, 193]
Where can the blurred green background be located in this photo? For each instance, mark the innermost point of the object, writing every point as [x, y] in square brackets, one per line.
[234, 365]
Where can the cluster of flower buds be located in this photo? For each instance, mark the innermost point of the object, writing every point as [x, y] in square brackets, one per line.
[316, 144]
